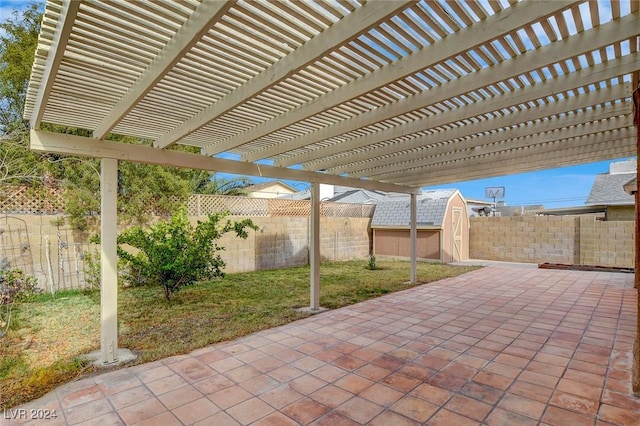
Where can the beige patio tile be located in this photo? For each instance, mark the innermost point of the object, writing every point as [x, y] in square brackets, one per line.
[498, 347]
[250, 410]
[305, 410]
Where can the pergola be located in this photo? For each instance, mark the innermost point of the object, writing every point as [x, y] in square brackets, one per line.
[389, 95]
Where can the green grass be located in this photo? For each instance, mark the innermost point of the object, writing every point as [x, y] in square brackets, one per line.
[42, 348]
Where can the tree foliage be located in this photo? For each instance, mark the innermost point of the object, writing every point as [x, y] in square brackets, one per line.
[210, 183]
[18, 41]
[175, 253]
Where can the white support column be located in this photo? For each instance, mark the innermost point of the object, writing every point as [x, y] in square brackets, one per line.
[108, 261]
[413, 235]
[314, 260]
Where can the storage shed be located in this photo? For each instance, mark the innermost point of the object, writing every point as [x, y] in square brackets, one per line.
[442, 226]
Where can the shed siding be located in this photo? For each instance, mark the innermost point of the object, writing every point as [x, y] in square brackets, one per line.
[392, 242]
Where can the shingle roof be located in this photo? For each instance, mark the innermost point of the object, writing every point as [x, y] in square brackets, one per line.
[359, 196]
[608, 189]
[395, 210]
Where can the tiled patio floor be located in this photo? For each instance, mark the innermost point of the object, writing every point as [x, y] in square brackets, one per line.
[498, 346]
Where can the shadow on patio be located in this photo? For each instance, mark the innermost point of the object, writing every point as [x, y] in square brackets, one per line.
[498, 346]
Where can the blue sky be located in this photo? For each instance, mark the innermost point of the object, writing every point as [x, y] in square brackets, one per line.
[561, 187]
[553, 188]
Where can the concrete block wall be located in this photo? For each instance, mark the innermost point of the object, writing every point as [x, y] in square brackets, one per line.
[279, 242]
[284, 241]
[554, 239]
[44, 246]
[607, 243]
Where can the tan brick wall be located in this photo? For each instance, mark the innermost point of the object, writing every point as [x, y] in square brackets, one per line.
[553, 239]
[284, 241]
[41, 246]
[279, 242]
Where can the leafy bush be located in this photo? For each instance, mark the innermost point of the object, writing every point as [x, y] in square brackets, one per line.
[91, 268]
[174, 253]
[14, 286]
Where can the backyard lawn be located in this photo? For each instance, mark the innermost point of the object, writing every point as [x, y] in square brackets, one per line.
[47, 335]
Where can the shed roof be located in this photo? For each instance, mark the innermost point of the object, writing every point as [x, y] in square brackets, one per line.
[389, 95]
[395, 211]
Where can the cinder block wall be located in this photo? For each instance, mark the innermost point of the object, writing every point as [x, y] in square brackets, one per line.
[284, 241]
[40, 246]
[555, 239]
[44, 247]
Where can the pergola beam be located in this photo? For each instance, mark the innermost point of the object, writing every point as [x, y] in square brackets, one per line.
[68, 12]
[187, 36]
[602, 72]
[340, 33]
[599, 37]
[441, 142]
[88, 147]
[606, 140]
[532, 134]
[524, 160]
[489, 29]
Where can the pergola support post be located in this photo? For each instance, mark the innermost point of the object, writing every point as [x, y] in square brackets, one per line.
[314, 251]
[413, 235]
[635, 380]
[108, 261]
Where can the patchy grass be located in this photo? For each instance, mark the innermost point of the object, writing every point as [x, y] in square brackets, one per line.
[41, 350]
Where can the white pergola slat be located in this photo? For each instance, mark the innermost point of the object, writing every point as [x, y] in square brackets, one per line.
[388, 95]
[321, 158]
[346, 89]
[338, 34]
[207, 13]
[530, 61]
[462, 41]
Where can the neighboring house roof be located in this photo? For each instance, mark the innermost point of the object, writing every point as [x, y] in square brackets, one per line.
[358, 196]
[300, 195]
[631, 187]
[476, 208]
[608, 189]
[271, 187]
[564, 211]
[531, 210]
[343, 194]
[431, 208]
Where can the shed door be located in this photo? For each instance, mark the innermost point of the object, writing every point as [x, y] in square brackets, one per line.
[456, 234]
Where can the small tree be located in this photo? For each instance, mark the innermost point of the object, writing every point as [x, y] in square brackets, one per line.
[174, 253]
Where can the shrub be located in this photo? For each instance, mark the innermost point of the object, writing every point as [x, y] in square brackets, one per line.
[91, 268]
[174, 253]
[372, 263]
[14, 286]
